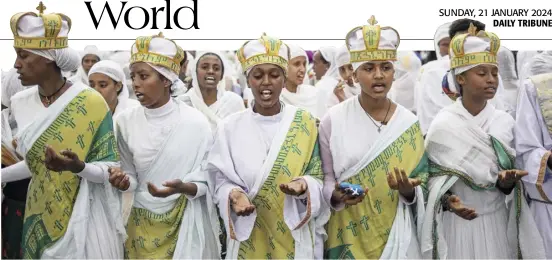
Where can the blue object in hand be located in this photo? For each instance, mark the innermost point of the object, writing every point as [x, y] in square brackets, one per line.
[353, 189]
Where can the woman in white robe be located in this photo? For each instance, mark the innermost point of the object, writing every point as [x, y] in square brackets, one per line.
[533, 138]
[406, 69]
[362, 140]
[66, 138]
[324, 63]
[108, 78]
[207, 93]
[346, 88]
[265, 166]
[179, 220]
[296, 93]
[90, 56]
[472, 167]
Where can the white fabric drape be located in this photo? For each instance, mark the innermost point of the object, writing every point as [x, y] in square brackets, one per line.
[460, 141]
[406, 70]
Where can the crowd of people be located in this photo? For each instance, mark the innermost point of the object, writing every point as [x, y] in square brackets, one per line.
[272, 152]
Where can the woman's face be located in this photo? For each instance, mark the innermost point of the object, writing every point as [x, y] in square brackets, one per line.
[375, 78]
[106, 86]
[30, 67]
[150, 87]
[480, 82]
[319, 65]
[297, 68]
[266, 82]
[346, 73]
[444, 45]
[209, 71]
[88, 61]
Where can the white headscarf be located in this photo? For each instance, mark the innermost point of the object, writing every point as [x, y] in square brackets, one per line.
[296, 51]
[114, 71]
[81, 74]
[540, 64]
[441, 33]
[406, 70]
[342, 57]
[11, 84]
[509, 77]
[328, 53]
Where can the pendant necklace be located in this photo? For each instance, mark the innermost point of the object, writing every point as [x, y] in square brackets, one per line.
[49, 99]
[384, 122]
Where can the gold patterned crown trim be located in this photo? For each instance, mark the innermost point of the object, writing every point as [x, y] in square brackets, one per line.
[264, 59]
[374, 55]
[460, 57]
[271, 56]
[143, 54]
[371, 34]
[473, 59]
[52, 26]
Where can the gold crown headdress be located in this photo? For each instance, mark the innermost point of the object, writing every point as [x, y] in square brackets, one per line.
[371, 35]
[270, 56]
[143, 53]
[460, 59]
[53, 24]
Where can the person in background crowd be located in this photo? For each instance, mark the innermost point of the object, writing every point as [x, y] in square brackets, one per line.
[346, 88]
[509, 78]
[533, 135]
[406, 70]
[14, 194]
[327, 76]
[207, 93]
[295, 92]
[91, 56]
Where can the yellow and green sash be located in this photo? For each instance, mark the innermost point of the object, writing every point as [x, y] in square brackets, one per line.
[361, 231]
[298, 156]
[154, 236]
[85, 126]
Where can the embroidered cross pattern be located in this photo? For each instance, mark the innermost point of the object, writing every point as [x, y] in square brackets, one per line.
[364, 222]
[378, 206]
[281, 227]
[48, 207]
[57, 195]
[352, 226]
[58, 225]
[340, 235]
[70, 123]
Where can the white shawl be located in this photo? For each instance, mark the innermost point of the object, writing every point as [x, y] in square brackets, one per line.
[460, 141]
